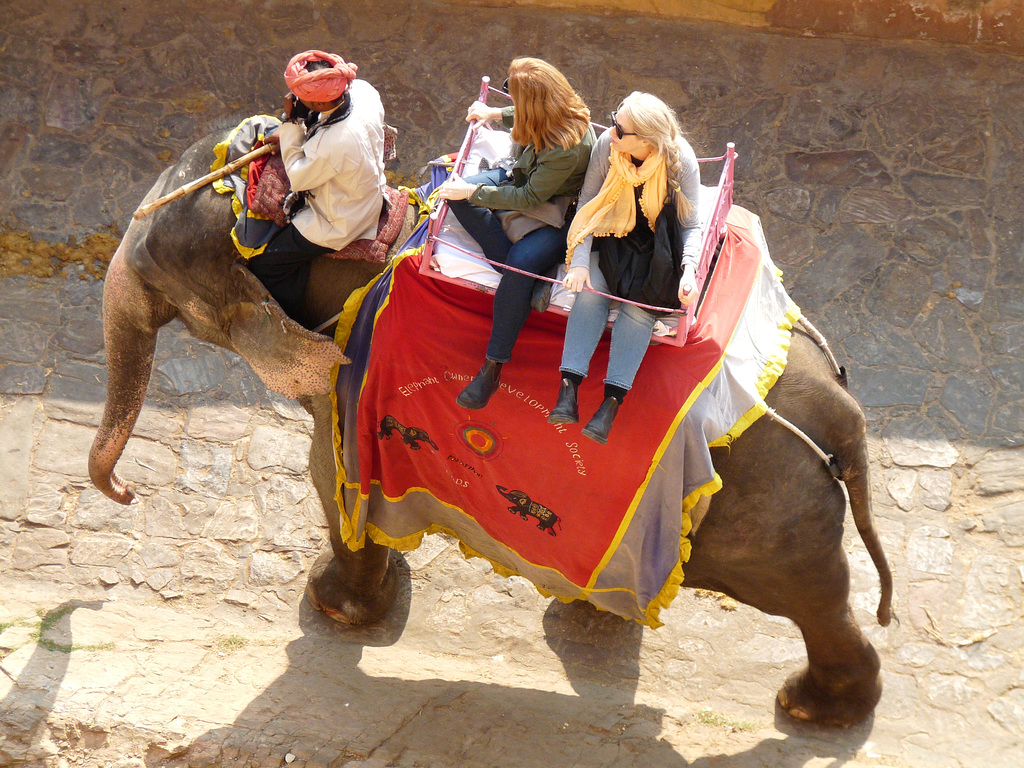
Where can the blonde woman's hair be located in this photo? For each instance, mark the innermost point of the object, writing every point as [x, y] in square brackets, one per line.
[549, 112]
[655, 122]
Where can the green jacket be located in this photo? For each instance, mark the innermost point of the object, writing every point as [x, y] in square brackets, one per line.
[538, 176]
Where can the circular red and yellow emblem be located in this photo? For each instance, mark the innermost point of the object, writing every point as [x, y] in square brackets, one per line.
[480, 438]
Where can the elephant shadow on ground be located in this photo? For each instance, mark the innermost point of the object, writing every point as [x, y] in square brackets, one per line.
[25, 709]
[325, 709]
[601, 656]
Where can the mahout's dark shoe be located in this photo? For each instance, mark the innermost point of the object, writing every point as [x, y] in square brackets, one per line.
[566, 410]
[597, 428]
[478, 392]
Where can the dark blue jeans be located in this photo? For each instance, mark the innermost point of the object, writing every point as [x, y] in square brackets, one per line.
[537, 252]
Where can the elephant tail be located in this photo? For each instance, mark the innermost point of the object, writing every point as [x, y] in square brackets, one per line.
[853, 460]
[132, 315]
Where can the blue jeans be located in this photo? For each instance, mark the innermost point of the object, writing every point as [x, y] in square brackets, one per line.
[631, 334]
[537, 252]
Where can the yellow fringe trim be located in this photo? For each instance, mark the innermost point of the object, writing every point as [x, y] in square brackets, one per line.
[770, 374]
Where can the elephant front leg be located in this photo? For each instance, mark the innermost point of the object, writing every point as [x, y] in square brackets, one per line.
[354, 587]
[351, 587]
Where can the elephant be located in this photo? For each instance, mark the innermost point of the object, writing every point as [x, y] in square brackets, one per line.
[411, 436]
[526, 508]
[770, 538]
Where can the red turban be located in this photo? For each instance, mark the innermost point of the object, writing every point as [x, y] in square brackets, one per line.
[325, 84]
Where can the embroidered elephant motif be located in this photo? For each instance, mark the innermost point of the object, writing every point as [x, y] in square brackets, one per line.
[526, 508]
[411, 436]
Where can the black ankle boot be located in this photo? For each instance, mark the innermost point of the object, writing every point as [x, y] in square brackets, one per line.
[478, 392]
[597, 428]
[566, 410]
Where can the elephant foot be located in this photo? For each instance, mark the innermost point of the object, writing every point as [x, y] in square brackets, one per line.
[328, 591]
[803, 698]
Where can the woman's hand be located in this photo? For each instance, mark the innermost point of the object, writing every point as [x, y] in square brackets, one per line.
[456, 188]
[688, 285]
[480, 111]
[576, 278]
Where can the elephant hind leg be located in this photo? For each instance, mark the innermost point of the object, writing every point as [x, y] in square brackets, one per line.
[841, 684]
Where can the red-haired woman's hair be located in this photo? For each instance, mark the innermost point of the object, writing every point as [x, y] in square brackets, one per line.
[549, 112]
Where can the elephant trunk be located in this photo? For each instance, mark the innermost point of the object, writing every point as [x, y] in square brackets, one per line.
[132, 315]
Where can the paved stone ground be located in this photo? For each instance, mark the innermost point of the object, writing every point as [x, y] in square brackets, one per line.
[173, 633]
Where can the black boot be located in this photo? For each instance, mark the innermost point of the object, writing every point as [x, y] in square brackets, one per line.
[566, 410]
[479, 390]
[597, 428]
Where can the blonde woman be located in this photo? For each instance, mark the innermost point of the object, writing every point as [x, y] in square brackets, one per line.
[551, 121]
[638, 221]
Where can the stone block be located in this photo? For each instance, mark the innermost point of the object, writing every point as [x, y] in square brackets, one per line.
[1008, 710]
[993, 593]
[147, 463]
[155, 554]
[930, 550]
[95, 512]
[43, 546]
[77, 400]
[901, 483]
[1000, 471]
[105, 549]
[45, 505]
[916, 442]
[82, 333]
[938, 189]
[59, 149]
[29, 302]
[268, 569]
[15, 457]
[872, 206]
[936, 488]
[947, 691]
[851, 168]
[793, 203]
[63, 449]
[183, 375]
[159, 422]
[206, 468]
[270, 447]
[234, 521]
[1007, 521]
[22, 379]
[968, 397]
[222, 422]
[210, 564]
[887, 387]
[22, 341]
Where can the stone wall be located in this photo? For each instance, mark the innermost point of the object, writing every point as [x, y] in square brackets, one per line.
[996, 24]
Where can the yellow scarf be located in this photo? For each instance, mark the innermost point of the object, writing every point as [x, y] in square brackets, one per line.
[613, 209]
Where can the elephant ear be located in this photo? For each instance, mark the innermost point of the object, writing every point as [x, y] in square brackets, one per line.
[288, 358]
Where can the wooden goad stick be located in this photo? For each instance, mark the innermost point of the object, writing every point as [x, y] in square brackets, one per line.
[192, 186]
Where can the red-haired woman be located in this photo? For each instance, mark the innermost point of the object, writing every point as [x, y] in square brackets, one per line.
[552, 123]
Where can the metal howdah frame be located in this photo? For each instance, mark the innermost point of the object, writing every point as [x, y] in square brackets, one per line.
[714, 232]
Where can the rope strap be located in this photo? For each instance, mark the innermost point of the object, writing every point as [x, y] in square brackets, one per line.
[828, 458]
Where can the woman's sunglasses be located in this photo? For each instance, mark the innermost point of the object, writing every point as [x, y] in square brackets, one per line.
[618, 128]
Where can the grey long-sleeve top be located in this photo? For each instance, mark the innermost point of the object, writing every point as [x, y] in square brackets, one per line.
[689, 185]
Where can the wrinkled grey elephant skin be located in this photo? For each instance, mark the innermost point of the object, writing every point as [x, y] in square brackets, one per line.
[771, 538]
